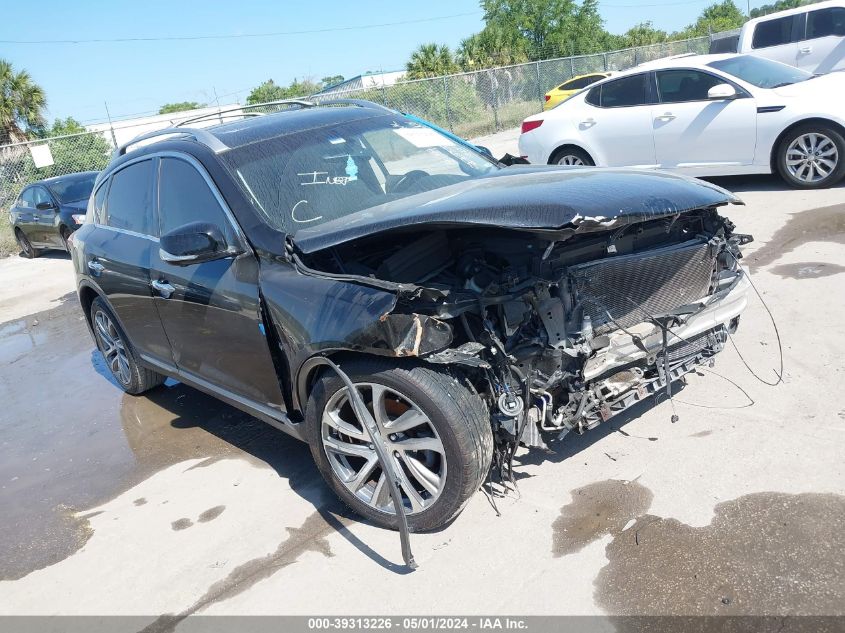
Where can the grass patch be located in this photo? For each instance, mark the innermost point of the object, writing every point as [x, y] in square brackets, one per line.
[8, 244]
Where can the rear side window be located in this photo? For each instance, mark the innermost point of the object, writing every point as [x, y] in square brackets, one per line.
[625, 92]
[130, 199]
[774, 32]
[678, 86]
[27, 199]
[594, 96]
[825, 22]
[184, 196]
[581, 82]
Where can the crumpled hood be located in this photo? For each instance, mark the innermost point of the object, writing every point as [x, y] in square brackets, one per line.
[540, 198]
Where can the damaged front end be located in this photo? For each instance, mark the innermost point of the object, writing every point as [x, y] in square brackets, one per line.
[557, 329]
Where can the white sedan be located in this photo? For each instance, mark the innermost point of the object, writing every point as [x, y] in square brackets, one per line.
[702, 115]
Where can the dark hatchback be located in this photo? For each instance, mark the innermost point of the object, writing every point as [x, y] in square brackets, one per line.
[473, 306]
[47, 212]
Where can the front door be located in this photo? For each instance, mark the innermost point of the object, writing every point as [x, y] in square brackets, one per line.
[25, 214]
[45, 219]
[211, 311]
[691, 131]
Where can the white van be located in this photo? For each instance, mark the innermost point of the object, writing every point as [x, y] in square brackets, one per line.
[811, 37]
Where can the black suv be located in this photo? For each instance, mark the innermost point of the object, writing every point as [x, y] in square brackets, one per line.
[473, 306]
[48, 211]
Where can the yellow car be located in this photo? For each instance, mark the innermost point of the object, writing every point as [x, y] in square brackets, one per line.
[570, 87]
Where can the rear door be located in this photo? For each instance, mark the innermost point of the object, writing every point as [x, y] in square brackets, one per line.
[24, 211]
[823, 49]
[615, 121]
[691, 131]
[117, 254]
[211, 311]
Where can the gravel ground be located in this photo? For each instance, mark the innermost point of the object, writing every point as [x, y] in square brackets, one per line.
[174, 504]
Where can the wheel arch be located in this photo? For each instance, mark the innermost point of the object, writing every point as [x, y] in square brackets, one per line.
[87, 293]
[773, 157]
[565, 146]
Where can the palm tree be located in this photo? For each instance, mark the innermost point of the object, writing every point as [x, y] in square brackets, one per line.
[430, 60]
[21, 104]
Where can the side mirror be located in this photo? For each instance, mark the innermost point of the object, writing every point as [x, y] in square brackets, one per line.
[45, 206]
[194, 243]
[721, 92]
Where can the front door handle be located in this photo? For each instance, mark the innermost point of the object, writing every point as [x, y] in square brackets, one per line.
[805, 50]
[164, 289]
[666, 116]
[95, 267]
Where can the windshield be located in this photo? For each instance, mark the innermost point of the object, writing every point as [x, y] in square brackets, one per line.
[318, 175]
[73, 189]
[760, 72]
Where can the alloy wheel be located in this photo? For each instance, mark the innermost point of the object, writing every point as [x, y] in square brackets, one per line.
[112, 347]
[412, 441]
[569, 159]
[811, 157]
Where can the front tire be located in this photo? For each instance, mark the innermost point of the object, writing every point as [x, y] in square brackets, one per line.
[121, 358]
[27, 249]
[435, 426]
[812, 156]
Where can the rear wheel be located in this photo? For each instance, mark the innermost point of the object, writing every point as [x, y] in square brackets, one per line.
[812, 156]
[121, 358]
[573, 157]
[27, 249]
[436, 429]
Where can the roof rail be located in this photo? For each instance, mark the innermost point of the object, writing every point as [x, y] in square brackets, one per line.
[240, 109]
[202, 136]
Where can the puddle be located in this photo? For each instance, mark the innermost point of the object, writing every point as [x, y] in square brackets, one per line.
[598, 509]
[825, 224]
[807, 270]
[211, 514]
[309, 537]
[762, 554]
[71, 439]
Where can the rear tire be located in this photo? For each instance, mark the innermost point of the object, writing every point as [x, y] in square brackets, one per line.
[121, 358]
[27, 249]
[572, 157]
[448, 416]
[812, 156]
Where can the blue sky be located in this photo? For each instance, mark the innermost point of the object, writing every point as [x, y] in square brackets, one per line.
[137, 77]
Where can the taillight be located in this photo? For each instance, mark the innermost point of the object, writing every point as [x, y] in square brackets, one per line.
[548, 97]
[527, 126]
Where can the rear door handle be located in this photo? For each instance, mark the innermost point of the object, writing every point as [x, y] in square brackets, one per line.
[666, 116]
[589, 122]
[95, 267]
[163, 288]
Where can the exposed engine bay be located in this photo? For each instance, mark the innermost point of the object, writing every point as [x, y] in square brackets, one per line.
[559, 331]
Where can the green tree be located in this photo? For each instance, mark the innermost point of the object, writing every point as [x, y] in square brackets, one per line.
[271, 91]
[22, 103]
[643, 34]
[722, 16]
[431, 60]
[180, 106]
[331, 80]
[780, 5]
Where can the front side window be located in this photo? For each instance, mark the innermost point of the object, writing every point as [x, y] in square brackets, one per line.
[678, 86]
[184, 196]
[41, 196]
[826, 22]
[129, 204]
[774, 32]
[625, 92]
[315, 176]
[760, 72]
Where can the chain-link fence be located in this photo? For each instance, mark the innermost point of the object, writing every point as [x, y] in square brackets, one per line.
[469, 104]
